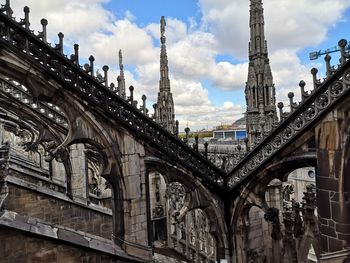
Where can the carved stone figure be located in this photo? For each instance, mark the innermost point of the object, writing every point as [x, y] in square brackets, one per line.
[272, 216]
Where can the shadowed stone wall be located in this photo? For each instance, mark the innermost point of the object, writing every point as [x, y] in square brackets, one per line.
[332, 185]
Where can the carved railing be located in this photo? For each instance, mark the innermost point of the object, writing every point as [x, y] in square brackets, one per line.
[20, 93]
[18, 38]
[322, 99]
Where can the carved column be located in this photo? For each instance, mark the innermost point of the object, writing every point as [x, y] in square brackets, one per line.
[333, 185]
[79, 175]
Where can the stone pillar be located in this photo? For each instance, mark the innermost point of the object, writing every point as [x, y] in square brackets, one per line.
[79, 175]
[136, 239]
[332, 181]
[273, 199]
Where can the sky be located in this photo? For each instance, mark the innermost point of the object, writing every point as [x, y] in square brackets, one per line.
[207, 45]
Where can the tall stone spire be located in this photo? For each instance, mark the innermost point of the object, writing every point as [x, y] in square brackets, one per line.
[121, 78]
[164, 111]
[260, 90]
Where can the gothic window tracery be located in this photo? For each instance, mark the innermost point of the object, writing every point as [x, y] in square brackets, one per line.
[192, 235]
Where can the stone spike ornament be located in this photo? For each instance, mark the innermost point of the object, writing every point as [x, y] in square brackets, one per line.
[259, 90]
[304, 94]
[91, 59]
[165, 113]
[105, 69]
[25, 21]
[143, 106]
[43, 34]
[343, 54]
[329, 69]
[316, 81]
[59, 47]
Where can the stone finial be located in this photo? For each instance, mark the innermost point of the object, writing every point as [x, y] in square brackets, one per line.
[59, 46]
[43, 33]
[187, 131]
[155, 110]
[291, 96]
[329, 70]
[91, 59]
[176, 128]
[143, 107]
[342, 45]
[304, 94]
[206, 149]
[314, 78]
[280, 107]
[131, 97]
[75, 57]
[25, 21]
[105, 69]
[196, 138]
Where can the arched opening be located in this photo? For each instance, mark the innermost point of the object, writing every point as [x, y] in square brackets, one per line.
[178, 233]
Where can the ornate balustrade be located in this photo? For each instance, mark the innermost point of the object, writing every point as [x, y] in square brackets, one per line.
[20, 93]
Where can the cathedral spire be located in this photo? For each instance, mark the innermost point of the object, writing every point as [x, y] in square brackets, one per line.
[257, 44]
[121, 78]
[260, 90]
[164, 84]
[165, 114]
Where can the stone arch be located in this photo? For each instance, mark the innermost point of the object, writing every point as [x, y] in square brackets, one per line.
[82, 125]
[197, 197]
[253, 193]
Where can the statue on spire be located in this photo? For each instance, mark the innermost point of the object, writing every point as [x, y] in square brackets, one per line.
[121, 78]
[162, 30]
[121, 67]
[164, 110]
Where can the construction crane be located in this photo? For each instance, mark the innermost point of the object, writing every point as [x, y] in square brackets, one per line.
[316, 54]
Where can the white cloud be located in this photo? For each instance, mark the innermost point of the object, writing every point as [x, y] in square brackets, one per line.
[288, 24]
[136, 44]
[288, 71]
[74, 18]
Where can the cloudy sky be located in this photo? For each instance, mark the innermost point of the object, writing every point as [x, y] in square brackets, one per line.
[207, 43]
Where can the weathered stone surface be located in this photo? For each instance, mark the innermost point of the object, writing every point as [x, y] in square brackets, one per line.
[57, 211]
[22, 248]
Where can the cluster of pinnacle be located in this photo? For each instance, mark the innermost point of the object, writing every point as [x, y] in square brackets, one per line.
[260, 106]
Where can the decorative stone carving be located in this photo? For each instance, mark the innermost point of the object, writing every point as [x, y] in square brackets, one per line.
[4, 165]
[272, 215]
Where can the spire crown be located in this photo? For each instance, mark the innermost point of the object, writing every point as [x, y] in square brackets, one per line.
[260, 90]
[164, 111]
[121, 66]
[162, 30]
